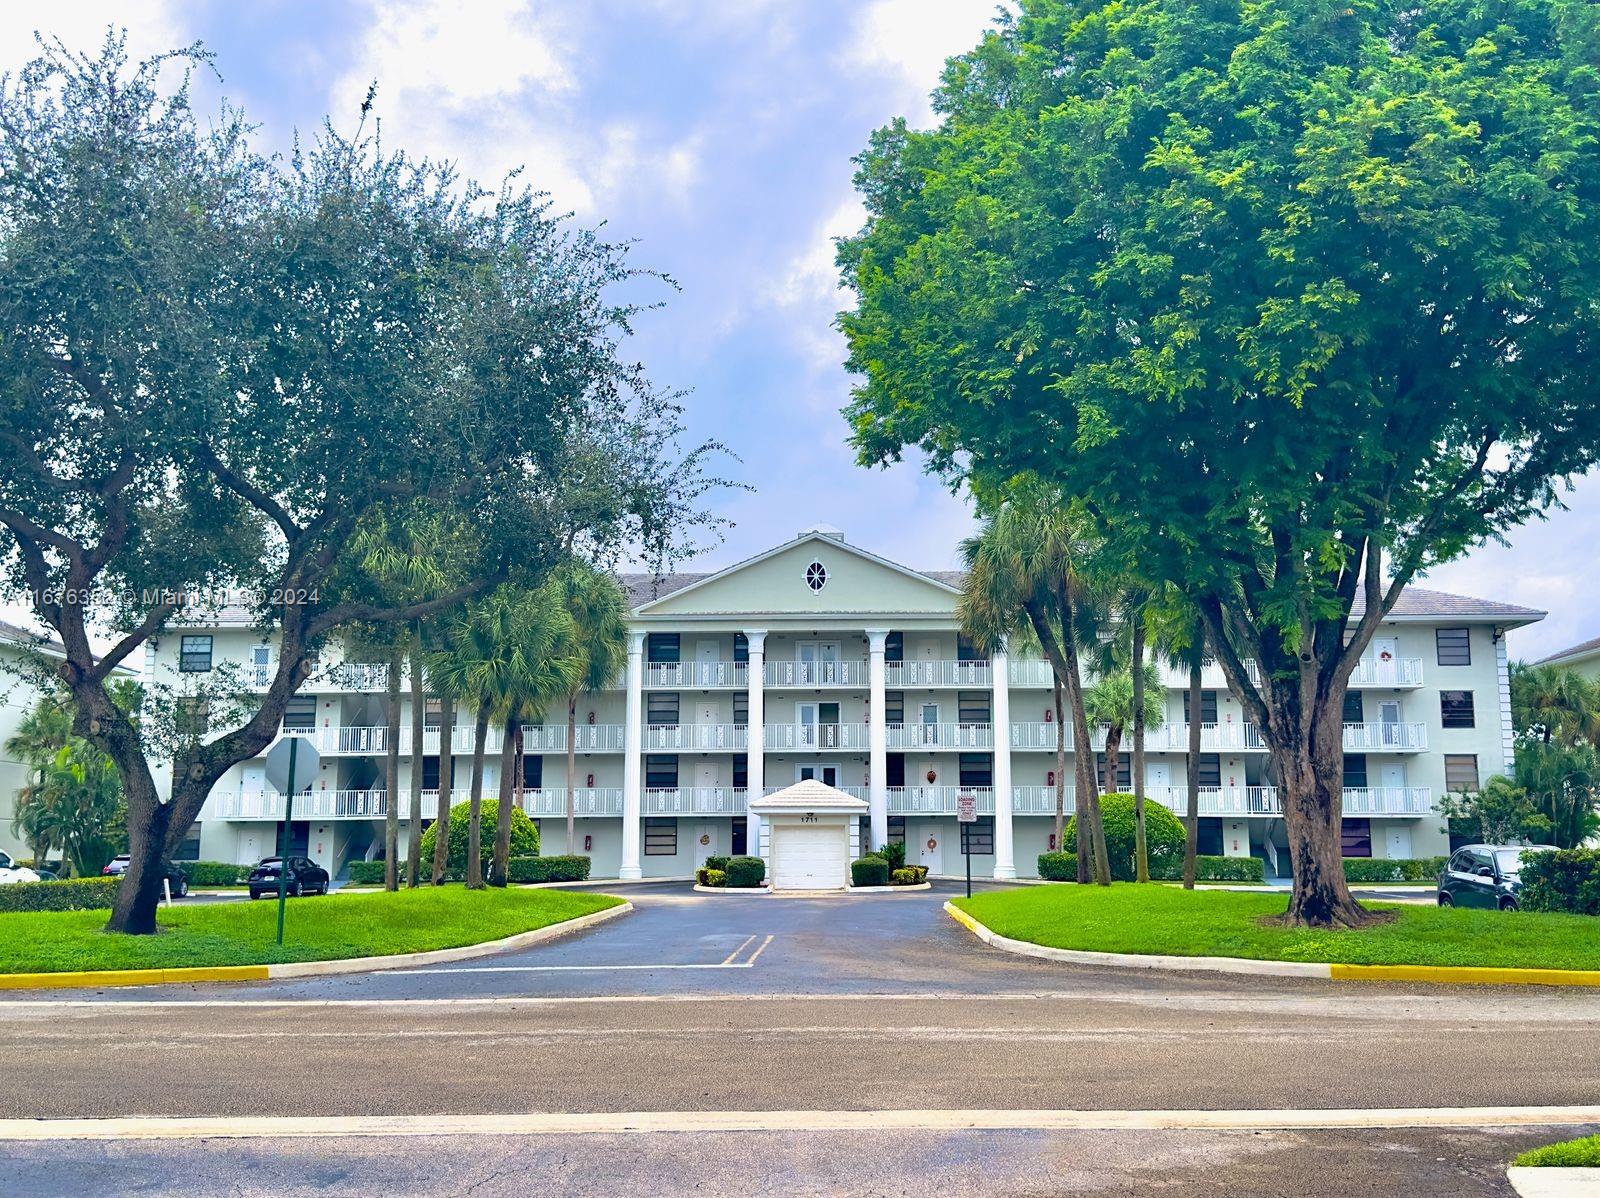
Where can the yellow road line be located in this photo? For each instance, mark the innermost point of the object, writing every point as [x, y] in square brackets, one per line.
[132, 977]
[1470, 975]
[761, 949]
[728, 960]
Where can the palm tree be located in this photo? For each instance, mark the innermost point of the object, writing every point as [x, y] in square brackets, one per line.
[1180, 634]
[1110, 704]
[595, 602]
[39, 736]
[1026, 567]
[1554, 704]
[419, 730]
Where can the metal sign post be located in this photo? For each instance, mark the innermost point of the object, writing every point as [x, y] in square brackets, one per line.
[282, 763]
[967, 813]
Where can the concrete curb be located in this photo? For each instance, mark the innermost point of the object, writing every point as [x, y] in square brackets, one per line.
[739, 890]
[97, 979]
[845, 893]
[1554, 1183]
[1445, 975]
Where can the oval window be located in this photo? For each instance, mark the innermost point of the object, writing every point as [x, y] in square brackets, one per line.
[816, 576]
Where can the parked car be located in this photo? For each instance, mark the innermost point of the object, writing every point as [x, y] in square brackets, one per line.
[12, 872]
[1485, 875]
[304, 877]
[176, 878]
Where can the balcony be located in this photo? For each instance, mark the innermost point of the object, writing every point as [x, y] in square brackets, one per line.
[704, 738]
[370, 740]
[859, 792]
[937, 800]
[1034, 673]
[696, 675]
[587, 802]
[940, 736]
[1169, 738]
[1399, 673]
[812, 737]
[1243, 800]
[814, 674]
[693, 800]
[1385, 737]
[914, 675]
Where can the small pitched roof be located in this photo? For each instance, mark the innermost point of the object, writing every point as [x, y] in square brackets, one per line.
[1586, 649]
[1423, 603]
[16, 634]
[809, 795]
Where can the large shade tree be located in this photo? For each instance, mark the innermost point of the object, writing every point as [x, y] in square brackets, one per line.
[1298, 298]
[215, 368]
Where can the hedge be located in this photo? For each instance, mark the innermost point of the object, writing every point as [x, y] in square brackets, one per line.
[903, 877]
[73, 894]
[524, 835]
[1563, 880]
[869, 871]
[1063, 867]
[1058, 867]
[369, 873]
[1400, 869]
[716, 863]
[1164, 835]
[217, 873]
[548, 869]
[712, 877]
[745, 872]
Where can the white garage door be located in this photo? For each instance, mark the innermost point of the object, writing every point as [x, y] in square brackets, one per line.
[809, 857]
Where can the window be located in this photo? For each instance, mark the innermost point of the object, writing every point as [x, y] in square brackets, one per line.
[976, 769]
[894, 707]
[661, 648]
[1460, 772]
[1454, 646]
[194, 654]
[432, 713]
[897, 829]
[977, 838]
[816, 576]
[191, 717]
[660, 838]
[662, 709]
[661, 771]
[1354, 712]
[1125, 771]
[741, 770]
[966, 650]
[972, 707]
[1210, 769]
[430, 773]
[894, 765]
[894, 647]
[1355, 838]
[741, 707]
[1355, 771]
[532, 770]
[1455, 709]
[300, 715]
[1208, 707]
[741, 647]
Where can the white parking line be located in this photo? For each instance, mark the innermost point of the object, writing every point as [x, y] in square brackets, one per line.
[728, 962]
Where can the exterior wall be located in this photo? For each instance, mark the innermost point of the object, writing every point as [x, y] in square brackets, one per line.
[18, 694]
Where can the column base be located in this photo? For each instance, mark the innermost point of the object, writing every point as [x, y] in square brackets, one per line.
[630, 873]
[1005, 873]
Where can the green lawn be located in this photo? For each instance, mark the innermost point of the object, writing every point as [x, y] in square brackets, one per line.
[1125, 918]
[316, 929]
[1569, 1154]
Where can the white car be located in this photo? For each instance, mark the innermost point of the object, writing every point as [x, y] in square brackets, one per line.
[16, 873]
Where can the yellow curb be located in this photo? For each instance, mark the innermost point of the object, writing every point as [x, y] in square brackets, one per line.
[132, 977]
[1465, 975]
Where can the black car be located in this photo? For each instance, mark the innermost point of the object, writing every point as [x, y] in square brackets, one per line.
[176, 879]
[304, 876]
[1485, 875]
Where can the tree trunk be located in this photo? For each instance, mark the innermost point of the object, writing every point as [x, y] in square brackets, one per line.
[1311, 785]
[1061, 770]
[572, 773]
[391, 774]
[447, 770]
[1088, 803]
[1191, 832]
[1111, 784]
[508, 796]
[418, 736]
[480, 732]
[138, 897]
[1141, 848]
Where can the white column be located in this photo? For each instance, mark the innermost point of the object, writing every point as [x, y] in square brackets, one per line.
[755, 769]
[632, 762]
[1005, 864]
[877, 739]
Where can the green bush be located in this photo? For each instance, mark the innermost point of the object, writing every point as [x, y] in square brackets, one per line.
[368, 873]
[1058, 867]
[524, 836]
[548, 869]
[903, 877]
[716, 863]
[869, 871]
[920, 870]
[745, 872]
[73, 894]
[1164, 837]
[1563, 880]
[1215, 869]
[894, 854]
[712, 877]
[215, 873]
[1401, 869]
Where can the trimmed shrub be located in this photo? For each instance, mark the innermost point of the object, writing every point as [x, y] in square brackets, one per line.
[1216, 869]
[903, 877]
[1164, 836]
[716, 863]
[1563, 880]
[745, 872]
[894, 854]
[524, 836]
[367, 873]
[869, 871]
[1401, 869]
[712, 877]
[920, 870]
[547, 869]
[1058, 867]
[215, 873]
[72, 894]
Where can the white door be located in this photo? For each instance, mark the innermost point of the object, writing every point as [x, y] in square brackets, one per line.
[930, 848]
[928, 724]
[1157, 777]
[818, 661]
[1386, 657]
[1389, 718]
[705, 774]
[705, 654]
[706, 716]
[809, 856]
[1393, 776]
[705, 841]
[823, 772]
[1398, 842]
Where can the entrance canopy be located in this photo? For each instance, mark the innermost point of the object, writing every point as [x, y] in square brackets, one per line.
[813, 833]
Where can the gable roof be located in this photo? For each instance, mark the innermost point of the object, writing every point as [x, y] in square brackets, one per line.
[1423, 603]
[809, 794]
[16, 634]
[1574, 653]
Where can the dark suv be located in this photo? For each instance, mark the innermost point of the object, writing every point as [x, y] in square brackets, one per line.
[1485, 875]
[176, 879]
[303, 876]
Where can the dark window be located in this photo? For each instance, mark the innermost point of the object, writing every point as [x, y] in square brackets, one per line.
[1210, 837]
[1208, 707]
[432, 713]
[660, 838]
[1355, 838]
[662, 708]
[300, 715]
[1455, 709]
[661, 647]
[533, 770]
[661, 771]
[741, 770]
[1355, 770]
[1124, 771]
[189, 850]
[966, 650]
[741, 707]
[897, 829]
[1454, 646]
[972, 707]
[191, 717]
[1460, 772]
[430, 773]
[976, 769]
[978, 838]
[894, 647]
[894, 707]
[741, 835]
[1354, 712]
[741, 647]
[1210, 769]
[194, 654]
[895, 769]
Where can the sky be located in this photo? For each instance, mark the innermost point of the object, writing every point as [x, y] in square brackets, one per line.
[717, 137]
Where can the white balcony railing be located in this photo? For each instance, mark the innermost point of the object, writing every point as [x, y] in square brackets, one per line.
[814, 673]
[696, 737]
[1241, 800]
[860, 792]
[940, 736]
[1382, 736]
[683, 675]
[1168, 738]
[694, 800]
[1398, 672]
[937, 800]
[814, 736]
[550, 802]
[1034, 673]
[915, 674]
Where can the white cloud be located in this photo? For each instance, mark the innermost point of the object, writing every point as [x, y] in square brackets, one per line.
[911, 40]
[152, 27]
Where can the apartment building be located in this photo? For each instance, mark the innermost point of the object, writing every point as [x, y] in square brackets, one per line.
[819, 659]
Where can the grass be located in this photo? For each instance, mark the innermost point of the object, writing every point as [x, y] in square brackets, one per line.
[1569, 1154]
[1126, 918]
[315, 929]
